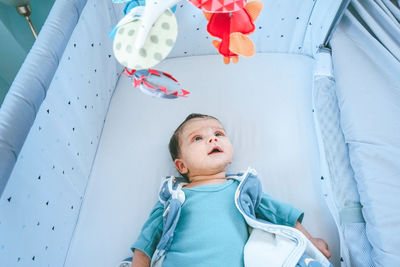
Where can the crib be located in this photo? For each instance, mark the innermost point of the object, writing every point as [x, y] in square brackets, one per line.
[315, 112]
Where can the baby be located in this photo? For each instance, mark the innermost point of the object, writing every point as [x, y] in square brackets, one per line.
[209, 230]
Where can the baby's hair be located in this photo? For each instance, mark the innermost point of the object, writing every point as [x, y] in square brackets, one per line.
[174, 148]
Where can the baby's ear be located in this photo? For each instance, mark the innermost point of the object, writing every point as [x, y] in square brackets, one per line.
[180, 166]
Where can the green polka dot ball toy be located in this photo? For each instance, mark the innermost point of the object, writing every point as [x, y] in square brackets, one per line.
[157, 46]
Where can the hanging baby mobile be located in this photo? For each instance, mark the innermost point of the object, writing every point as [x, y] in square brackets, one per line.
[139, 47]
[148, 32]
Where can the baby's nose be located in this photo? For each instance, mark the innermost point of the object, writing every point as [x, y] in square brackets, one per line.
[213, 139]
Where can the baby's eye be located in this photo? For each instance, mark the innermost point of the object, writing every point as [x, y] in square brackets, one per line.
[197, 138]
[219, 134]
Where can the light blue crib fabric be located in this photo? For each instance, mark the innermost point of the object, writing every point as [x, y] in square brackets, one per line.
[366, 57]
[30, 86]
[72, 70]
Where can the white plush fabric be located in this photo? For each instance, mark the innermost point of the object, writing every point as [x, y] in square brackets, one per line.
[265, 105]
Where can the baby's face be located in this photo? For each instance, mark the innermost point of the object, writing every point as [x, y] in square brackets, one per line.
[204, 147]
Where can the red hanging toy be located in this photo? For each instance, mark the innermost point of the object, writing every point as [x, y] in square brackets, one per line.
[156, 83]
[232, 28]
[216, 6]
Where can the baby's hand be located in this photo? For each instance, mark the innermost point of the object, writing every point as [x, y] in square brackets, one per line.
[321, 245]
[318, 242]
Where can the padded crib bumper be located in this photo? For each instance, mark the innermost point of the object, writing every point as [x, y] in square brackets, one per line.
[30, 86]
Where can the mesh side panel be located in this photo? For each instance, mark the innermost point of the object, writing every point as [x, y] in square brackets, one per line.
[336, 151]
[342, 185]
[354, 233]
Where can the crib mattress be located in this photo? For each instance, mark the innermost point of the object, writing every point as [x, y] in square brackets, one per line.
[265, 105]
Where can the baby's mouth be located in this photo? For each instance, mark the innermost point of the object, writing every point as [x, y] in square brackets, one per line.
[215, 149]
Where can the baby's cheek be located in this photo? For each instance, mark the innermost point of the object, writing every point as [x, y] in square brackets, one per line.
[229, 149]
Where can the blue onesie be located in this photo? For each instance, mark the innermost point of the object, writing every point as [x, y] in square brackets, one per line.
[210, 231]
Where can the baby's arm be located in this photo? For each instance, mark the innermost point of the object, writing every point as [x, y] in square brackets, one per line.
[149, 237]
[278, 212]
[140, 259]
[318, 242]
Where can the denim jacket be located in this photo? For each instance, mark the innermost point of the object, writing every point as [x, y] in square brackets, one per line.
[276, 245]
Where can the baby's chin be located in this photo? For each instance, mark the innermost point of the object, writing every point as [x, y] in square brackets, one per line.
[218, 167]
[221, 157]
